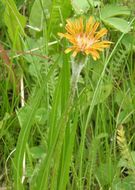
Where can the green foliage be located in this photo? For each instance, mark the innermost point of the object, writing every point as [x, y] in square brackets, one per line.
[82, 7]
[15, 23]
[109, 15]
[105, 173]
[40, 11]
[60, 10]
[113, 10]
[27, 115]
[66, 135]
[1, 13]
[19, 2]
[127, 157]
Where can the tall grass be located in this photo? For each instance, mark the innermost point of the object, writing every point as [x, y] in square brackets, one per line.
[67, 135]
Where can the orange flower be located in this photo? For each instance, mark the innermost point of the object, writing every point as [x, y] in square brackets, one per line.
[85, 39]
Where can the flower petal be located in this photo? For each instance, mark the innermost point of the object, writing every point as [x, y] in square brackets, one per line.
[74, 53]
[87, 41]
[101, 33]
[96, 25]
[89, 24]
[68, 50]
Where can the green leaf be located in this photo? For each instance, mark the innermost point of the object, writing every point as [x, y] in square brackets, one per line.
[56, 129]
[14, 21]
[124, 116]
[26, 121]
[104, 177]
[2, 122]
[38, 10]
[36, 45]
[80, 7]
[87, 95]
[104, 92]
[67, 156]
[19, 2]
[118, 23]
[97, 69]
[128, 41]
[34, 70]
[41, 116]
[124, 100]
[37, 152]
[113, 10]
[108, 16]
[124, 163]
[60, 10]
[1, 13]
[126, 183]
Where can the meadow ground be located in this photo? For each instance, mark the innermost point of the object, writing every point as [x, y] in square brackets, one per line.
[67, 94]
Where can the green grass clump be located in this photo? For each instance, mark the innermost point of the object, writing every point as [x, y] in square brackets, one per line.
[61, 127]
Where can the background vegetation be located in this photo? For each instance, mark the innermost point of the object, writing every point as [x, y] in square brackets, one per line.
[44, 144]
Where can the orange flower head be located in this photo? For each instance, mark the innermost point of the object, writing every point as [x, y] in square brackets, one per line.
[86, 40]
